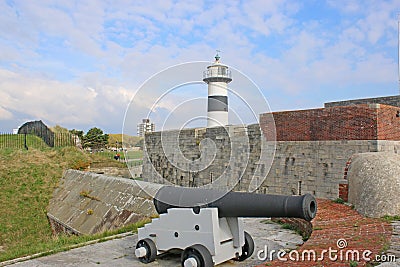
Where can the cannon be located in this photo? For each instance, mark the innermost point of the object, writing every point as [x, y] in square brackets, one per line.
[206, 224]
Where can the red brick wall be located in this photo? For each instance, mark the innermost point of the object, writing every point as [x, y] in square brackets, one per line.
[344, 192]
[388, 123]
[335, 123]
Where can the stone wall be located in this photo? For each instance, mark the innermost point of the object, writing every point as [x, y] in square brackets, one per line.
[387, 100]
[316, 167]
[295, 167]
[89, 203]
[234, 150]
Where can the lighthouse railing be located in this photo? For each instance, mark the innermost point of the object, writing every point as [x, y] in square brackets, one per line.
[220, 72]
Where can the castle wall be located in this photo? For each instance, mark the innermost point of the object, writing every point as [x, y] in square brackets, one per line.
[317, 167]
[311, 155]
[298, 167]
[387, 100]
[388, 123]
[237, 151]
[336, 123]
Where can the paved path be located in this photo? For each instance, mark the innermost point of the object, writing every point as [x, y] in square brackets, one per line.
[120, 252]
[394, 246]
[341, 228]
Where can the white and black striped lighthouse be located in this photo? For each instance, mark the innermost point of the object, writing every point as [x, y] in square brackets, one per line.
[217, 76]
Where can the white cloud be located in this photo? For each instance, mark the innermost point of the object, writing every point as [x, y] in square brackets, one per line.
[5, 114]
[80, 62]
[58, 102]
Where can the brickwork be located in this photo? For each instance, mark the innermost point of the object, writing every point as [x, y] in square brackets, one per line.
[338, 221]
[344, 191]
[388, 123]
[357, 122]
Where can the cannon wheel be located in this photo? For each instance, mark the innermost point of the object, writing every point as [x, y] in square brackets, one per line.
[248, 247]
[200, 254]
[151, 250]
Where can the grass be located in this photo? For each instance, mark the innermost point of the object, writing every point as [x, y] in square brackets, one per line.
[27, 181]
[106, 159]
[34, 142]
[85, 193]
[294, 228]
[136, 154]
[339, 201]
[17, 140]
[389, 219]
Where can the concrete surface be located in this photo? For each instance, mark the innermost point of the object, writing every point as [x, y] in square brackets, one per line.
[120, 252]
[374, 183]
[394, 248]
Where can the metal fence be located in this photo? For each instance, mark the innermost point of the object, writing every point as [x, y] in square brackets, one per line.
[26, 141]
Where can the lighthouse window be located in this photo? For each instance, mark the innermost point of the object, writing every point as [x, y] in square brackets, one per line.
[221, 71]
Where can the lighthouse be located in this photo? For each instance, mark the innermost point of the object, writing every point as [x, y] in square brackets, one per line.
[217, 76]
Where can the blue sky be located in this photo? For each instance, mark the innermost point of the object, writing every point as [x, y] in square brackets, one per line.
[79, 63]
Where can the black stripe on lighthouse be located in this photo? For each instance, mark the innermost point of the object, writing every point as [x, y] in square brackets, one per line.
[217, 103]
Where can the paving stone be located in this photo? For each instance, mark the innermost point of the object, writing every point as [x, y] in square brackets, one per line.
[120, 252]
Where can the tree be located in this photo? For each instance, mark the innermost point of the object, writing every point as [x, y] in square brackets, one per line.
[77, 133]
[95, 139]
[59, 129]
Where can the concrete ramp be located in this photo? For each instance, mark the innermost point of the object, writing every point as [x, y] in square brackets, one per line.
[89, 203]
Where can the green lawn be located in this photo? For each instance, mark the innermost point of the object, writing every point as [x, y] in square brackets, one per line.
[27, 181]
[33, 141]
[134, 154]
[18, 140]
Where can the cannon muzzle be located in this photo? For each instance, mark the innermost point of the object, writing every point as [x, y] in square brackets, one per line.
[236, 204]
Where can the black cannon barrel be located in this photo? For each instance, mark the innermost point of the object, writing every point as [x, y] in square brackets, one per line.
[236, 204]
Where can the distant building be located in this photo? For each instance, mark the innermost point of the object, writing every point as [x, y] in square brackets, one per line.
[145, 127]
[39, 129]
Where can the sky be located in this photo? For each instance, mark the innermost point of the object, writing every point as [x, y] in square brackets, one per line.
[83, 64]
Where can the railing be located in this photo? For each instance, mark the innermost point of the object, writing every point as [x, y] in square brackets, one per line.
[26, 141]
[220, 73]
